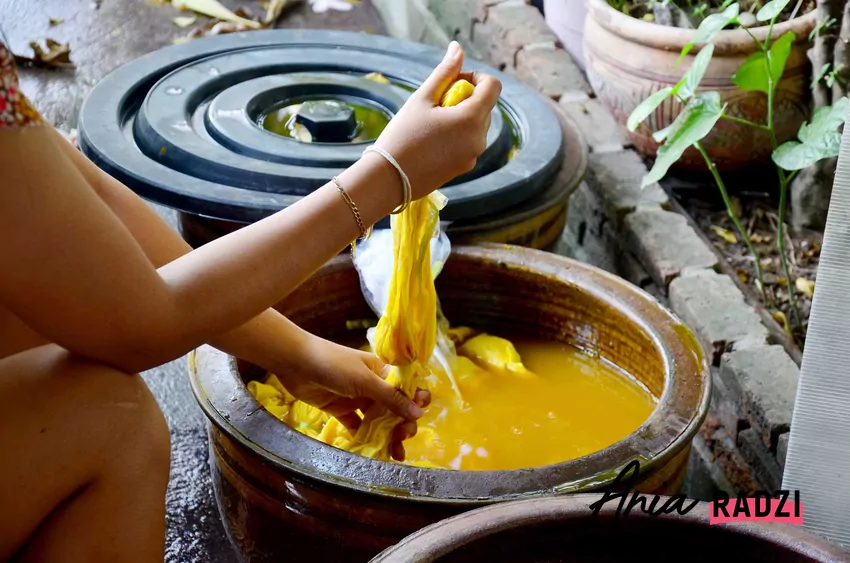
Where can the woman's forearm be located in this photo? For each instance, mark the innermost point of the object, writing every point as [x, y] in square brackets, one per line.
[85, 283]
[266, 340]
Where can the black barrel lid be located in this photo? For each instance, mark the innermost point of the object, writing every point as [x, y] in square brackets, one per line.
[182, 126]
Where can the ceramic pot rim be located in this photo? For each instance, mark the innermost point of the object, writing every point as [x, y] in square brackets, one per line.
[439, 539]
[681, 409]
[727, 42]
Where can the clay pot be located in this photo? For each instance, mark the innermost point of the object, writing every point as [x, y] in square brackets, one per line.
[564, 529]
[628, 59]
[285, 496]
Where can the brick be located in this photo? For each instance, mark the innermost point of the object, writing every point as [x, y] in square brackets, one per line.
[765, 382]
[509, 27]
[782, 449]
[550, 71]
[600, 129]
[665, 244]
[616, 177]
[725, 408]
[716, 310]
[762, 462]
[632, 271]
[734, 465]
[704, 479]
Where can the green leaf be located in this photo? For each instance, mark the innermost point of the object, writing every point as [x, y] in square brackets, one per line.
[794, 155]
[696, 120]
[818, 139]
[824, 121]
[646, 107]
[659, 136]
[752, 75]
[687, 86]
[710, 27]
[771, 10]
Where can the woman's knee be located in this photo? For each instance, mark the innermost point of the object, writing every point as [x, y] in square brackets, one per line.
[140, 435]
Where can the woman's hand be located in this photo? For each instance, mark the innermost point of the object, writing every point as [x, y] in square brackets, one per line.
[434, 144]
[340, 380]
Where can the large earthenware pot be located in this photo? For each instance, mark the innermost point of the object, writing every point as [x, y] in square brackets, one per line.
[285, 496]
[564, 529]
[628, 59]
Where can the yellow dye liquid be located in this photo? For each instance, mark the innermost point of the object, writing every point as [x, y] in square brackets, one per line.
[557, 404]
[574, 406]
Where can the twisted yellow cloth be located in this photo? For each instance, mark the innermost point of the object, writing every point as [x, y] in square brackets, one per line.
[405, 336]
[407, 332]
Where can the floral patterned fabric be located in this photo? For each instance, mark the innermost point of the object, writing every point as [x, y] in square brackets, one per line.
[15, 109]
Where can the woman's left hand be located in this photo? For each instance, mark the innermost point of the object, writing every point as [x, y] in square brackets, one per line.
[340, 380]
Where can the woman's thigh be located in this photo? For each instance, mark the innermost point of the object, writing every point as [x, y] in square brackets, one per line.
[85, 449]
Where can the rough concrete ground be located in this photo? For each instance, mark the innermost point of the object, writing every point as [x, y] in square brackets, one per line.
[101, 39]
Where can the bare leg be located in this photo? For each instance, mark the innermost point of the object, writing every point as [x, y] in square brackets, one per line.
[85, 462]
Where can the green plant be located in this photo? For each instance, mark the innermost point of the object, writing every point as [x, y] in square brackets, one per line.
[817, 140]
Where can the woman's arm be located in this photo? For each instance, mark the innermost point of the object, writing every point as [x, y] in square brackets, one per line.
[267, 340]
[74, 273]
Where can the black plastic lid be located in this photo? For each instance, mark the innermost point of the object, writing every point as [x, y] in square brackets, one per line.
[181, 126]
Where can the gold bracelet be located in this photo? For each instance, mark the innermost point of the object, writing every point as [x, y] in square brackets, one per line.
[364, 232]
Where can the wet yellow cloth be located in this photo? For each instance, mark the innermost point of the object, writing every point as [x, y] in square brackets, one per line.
[405, 336]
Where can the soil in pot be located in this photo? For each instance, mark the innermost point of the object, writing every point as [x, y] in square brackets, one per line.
[755, 201]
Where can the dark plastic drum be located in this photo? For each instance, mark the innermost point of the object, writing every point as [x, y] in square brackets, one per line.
[216, 128]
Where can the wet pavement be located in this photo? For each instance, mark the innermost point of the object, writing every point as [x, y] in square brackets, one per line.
[102, 36]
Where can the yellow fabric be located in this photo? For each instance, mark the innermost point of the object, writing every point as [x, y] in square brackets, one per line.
[405, 336]
[494, 354]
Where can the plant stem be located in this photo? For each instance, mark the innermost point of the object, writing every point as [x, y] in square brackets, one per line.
[746, 122]
[734, 216]
[783, 190]
[795, 10]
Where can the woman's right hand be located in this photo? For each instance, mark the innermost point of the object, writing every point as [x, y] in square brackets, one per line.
[435, 144]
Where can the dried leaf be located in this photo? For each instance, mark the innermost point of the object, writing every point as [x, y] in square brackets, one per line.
[782, 281]
[56, 21]
[274, 11]
[743, 275]
[377, 77]
[184, 21]
[806, 287]
[766, 263]
[57, 55]
[760, 239]
[728, 236]
[780, 318]
[214, 9]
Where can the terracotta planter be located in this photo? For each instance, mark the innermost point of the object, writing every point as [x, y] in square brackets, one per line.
[284, 496]
[564, 529]
[629, 59]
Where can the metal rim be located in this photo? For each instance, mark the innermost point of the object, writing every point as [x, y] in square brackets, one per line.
[109, 130]
[229, 406]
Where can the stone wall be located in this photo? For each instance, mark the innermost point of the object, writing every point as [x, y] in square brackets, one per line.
[616, 225]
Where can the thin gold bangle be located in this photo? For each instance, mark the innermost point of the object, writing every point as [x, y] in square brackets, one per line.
[364, 232]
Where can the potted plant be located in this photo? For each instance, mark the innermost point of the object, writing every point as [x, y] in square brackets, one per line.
[702, 110]
[635, 49]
